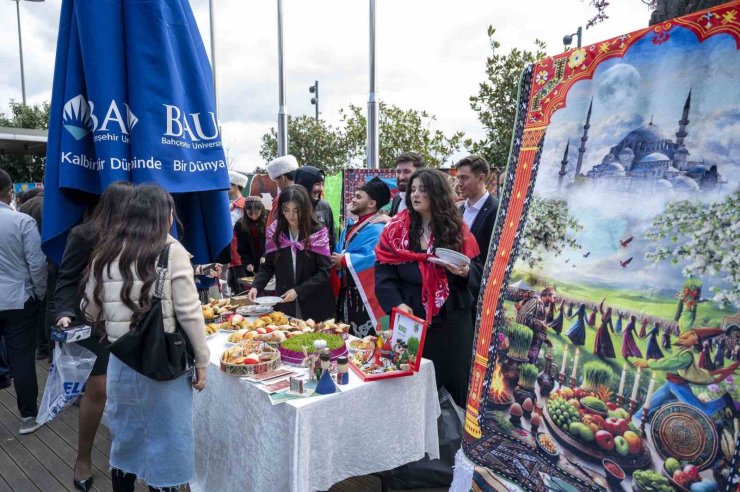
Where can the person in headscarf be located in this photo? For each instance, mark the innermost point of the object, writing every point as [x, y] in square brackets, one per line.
[312, 178]
[405, 278]
[557, 323]
[577, 331]
[354, 259]
[603, 346]
[653, 347]
[665, 340]
[629, 346]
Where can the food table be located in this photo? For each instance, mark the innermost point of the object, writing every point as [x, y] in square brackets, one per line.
[243, 442]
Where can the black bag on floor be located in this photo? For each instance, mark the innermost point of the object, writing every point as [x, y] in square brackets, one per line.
[427, 473]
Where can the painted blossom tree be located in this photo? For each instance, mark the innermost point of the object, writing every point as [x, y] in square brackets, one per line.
[549, 229]
[706, 237]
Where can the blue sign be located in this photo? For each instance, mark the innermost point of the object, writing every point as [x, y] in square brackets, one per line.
[133, 100]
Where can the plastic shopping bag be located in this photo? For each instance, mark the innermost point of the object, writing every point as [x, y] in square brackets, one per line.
[67, 377]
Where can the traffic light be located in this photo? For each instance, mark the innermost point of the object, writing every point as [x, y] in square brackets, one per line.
[314, 89]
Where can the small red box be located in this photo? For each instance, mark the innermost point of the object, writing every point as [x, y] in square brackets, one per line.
[409, 330]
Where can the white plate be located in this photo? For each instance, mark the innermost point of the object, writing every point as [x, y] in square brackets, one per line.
[448, 253]
[254, 310]
[454, 260]
[268, 300]
[440, 261]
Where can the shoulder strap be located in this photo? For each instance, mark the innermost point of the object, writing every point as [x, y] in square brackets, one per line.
[162, 264]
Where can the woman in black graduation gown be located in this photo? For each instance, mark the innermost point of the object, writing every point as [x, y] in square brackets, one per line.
[442, 295]
[297, 254]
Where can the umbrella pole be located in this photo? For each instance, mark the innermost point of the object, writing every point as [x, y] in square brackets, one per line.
[212, 14]
[372, 103]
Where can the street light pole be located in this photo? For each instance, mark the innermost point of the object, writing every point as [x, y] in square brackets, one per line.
[282, 111]
[212, 14]
[372, 103]
[20, 49]
[568, 38]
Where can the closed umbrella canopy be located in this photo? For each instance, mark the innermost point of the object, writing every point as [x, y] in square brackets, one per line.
[133, 100]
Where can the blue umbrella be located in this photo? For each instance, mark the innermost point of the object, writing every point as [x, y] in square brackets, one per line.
[133, 100]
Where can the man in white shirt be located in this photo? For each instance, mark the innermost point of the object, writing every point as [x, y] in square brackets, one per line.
[406, 164]
[480, 207]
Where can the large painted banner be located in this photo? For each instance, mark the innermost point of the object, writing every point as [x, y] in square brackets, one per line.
[608, 339]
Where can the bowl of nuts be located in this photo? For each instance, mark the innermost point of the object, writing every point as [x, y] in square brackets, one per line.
[547, 445]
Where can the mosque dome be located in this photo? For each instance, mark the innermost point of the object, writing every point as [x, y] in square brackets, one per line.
[664, 184]
[648, 133]
[684, 183]
[655, 157]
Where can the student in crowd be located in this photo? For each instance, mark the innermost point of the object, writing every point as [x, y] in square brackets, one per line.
[297, 253]
[282, 171]
[32, 203]
[480, 207]
[80, 245]
[151, 422]
[442, 295]
[312, 178]
[22, 287]
[354, 259]
[236, 199]
[406, 164]
[249, 232]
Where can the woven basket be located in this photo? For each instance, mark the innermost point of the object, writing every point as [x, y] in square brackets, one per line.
[240, 370]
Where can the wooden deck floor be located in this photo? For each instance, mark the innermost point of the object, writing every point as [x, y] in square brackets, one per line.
[43, 461]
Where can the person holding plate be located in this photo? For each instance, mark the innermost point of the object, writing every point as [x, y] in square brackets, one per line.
[405, 277]
[297, 253]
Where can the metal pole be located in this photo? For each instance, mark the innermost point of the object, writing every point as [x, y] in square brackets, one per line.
[317, 100]
[282, 111]
[20, 49]
[372, 103]
[212, 13]
[579, 33]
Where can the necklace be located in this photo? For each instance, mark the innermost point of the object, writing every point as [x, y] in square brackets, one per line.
[426, 236]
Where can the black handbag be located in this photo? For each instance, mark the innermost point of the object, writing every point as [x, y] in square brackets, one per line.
[147, 348]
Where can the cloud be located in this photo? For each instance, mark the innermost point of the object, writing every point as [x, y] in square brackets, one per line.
[430, 55]
[619, 88]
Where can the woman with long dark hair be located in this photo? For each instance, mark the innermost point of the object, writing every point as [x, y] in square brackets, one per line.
[151, 421]
[603, 345]
[443, 295]
[250, 234]
[577, 331]
[629, 345]
[67, 296]
[297, 254]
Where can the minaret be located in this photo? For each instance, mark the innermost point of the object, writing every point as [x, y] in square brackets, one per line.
[563, 164]
[582, 149]
[684, 122]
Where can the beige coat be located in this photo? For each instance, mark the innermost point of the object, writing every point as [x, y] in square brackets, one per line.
[183, 305]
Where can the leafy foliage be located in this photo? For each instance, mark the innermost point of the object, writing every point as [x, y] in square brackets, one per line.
[704, 236]
[496, 100]
[413, 345]
[332, 148]
[548, 229]
[25, 167]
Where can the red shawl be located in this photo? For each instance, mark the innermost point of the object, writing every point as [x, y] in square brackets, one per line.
[393, 249]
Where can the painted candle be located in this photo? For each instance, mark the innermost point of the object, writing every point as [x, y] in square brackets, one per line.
[621, 381]
[636, 385]
[575, 363]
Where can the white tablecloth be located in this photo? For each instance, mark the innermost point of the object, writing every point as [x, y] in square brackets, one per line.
[243, 442]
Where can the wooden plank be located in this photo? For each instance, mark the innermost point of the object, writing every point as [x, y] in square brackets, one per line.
[12, 474]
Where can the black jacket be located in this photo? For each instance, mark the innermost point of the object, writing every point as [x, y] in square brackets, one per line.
[77, 253]
[311, 282]
[482, 227]
[245, 245]
[307, 176]
[397, 284]
[324, 213]
[395, 204]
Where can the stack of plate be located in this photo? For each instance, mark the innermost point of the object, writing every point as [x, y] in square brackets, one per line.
[450, 257]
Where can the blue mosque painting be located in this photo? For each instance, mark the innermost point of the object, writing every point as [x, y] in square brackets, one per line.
[646, 159]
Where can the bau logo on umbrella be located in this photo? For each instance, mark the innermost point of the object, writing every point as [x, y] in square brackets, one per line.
[80, 120]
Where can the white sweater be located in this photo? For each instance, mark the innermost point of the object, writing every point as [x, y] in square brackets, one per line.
[179, 300]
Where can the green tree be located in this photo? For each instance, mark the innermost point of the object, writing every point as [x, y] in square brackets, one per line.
[496, 100]
[548, 229]
[324, 146]
[706, 237]
[312, 142]
[400, 130]
[25, 167]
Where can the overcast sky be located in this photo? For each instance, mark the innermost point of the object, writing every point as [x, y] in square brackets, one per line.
[430, 54]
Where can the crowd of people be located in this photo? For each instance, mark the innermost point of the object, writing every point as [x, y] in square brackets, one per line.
[122, 258]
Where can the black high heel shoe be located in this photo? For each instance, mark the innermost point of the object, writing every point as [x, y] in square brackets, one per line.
[83, 485]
